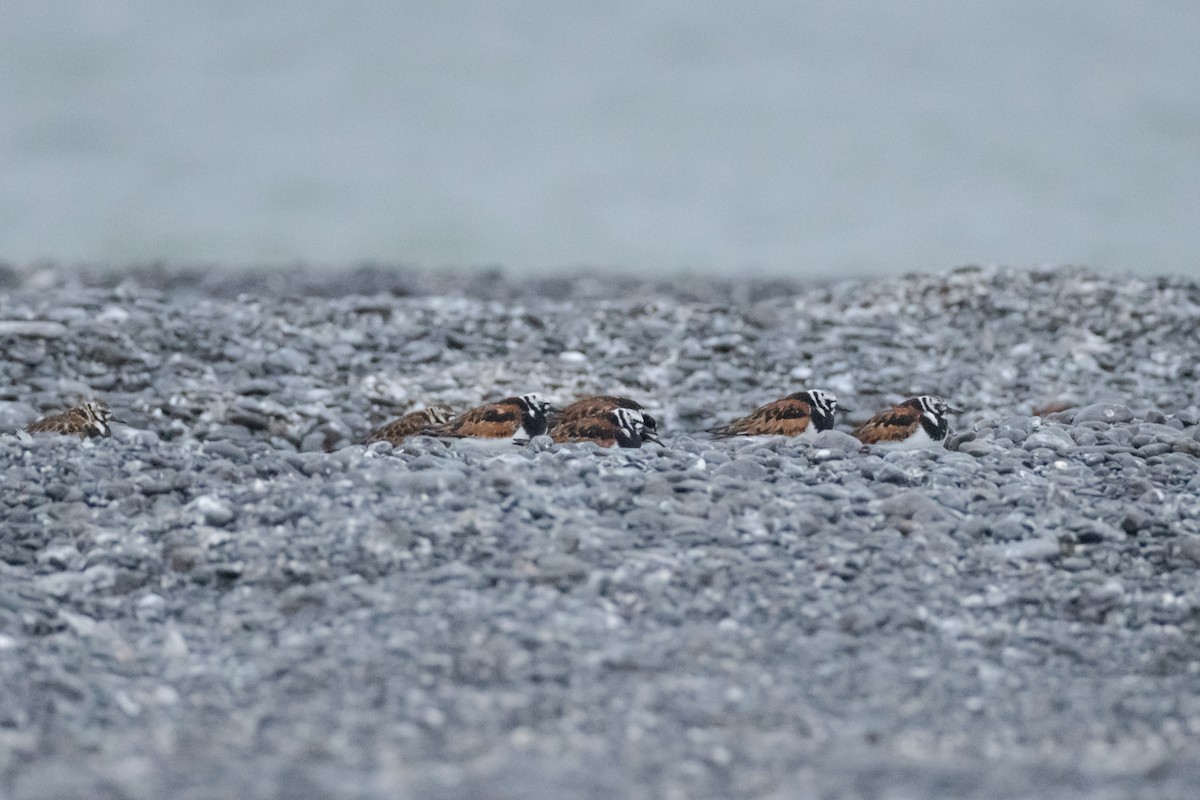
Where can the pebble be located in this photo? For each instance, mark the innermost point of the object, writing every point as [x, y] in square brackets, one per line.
[213, 510]
[1007, 530]
[33, 328]
[1057, 440]
[1027, 550]
[1189, 545]
[1103, 412]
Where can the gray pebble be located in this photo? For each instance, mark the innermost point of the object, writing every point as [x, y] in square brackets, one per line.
[1052, 438]
[743, 470]
[213, 510]
[1008, 530]
[1104, 412]
[1027, 550]
[1189, 545]
[977, 449]
[33, 328]
[1095, 531]
[837, 441]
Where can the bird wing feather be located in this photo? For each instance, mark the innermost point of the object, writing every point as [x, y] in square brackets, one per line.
[68, 423]
[588, 429]
[788, 416]
[892, 425]
[493, 421]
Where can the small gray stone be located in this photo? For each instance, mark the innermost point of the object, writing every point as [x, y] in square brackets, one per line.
[835, 440]
[915, 505]
[1189, 447]
[539, 444]
[1104, 412]
[1094, 532]
[233, 433]
[430, 481]
[890, 473]
[1075, 564]
[977, 449]
[313, 442]
[1008, 530]
[1053, 438]
[213, 510]
[560, 567]
[742, 469]
[33, 328]
[1190, 546]
[1027, 550]
[1135, 521]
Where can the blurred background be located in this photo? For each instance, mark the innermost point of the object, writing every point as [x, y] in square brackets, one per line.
[774, 138]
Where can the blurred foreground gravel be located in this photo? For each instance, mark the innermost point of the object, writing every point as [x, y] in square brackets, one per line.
[210, 605]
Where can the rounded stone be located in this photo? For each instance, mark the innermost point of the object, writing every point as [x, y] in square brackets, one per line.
[1110, 413]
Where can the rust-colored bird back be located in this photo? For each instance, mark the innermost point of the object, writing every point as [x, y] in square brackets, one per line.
[410, 424]
[603, 432]
[894, 425]
[596, 405]
[789, 416]
[499, 420]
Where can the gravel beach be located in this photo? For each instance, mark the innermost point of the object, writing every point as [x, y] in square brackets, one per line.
[211, 605]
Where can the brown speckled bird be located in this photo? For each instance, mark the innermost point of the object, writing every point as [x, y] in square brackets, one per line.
[803, 414]
[917, 422]
[619, 427]
[518, 418]
[601, 405]
[410, 424]
[84, 420]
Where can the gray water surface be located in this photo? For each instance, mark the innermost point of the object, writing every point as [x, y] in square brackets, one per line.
[779, 137]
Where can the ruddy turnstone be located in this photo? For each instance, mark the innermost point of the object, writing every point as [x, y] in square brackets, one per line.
[917, 422]
[411, 423]
[601, 405]
[84, 420]
[619, 427]
[518, 418]
[803, 414]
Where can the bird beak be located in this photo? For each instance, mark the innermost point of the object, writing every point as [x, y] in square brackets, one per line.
[840, 408]
[650, 437]
[953, 409]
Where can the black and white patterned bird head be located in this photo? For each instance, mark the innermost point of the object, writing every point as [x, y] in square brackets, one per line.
[824, 408]
[535, 410]
[933, 415]
[934, 405]
[96, 416]
[631, 425]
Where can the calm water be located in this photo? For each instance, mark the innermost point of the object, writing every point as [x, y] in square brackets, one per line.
[777, 137]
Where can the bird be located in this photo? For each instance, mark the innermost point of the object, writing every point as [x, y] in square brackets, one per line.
[517, 418]
[917, 422]
[88, 419]
[803, 414]
[598, 406]
[619, 427]
[411, 423]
